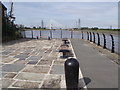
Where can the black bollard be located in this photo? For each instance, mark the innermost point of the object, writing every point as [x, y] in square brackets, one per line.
[71, 73]
[48, 38]
[37, 37]
[90, 37]
[87, 36]
[104, 41]
[94, 37]
[98, 39]
[112, 49]
[82, 34]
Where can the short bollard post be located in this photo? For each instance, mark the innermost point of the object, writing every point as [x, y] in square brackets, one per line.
[82, 34]
[90, 37]
[37, 37]
[94, 37]
[112, 50]
[104, 41]
[98, 39]
[71, 73]
[48, 38]
[87, 36]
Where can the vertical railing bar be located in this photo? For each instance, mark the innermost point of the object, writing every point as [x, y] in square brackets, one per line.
[98, 39]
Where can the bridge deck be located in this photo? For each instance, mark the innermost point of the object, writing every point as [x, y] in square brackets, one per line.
[97, 69]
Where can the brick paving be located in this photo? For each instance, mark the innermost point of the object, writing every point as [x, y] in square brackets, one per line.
[32, 64]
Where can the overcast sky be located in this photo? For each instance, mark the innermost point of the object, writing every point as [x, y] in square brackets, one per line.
[66, 14]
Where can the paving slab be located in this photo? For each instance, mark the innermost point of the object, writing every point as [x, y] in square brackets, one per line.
[57, 69]
[10, 75]
[50, 58]
[26, 85]
[12, 67]
[8, 60]
[30, 76]
[21, 57]
[45, 62]
[21, 62]
[7, 82]
[59, 62]
[5, 53]
[32, 62]
[37, 69]
[52, 81]
[34, 58]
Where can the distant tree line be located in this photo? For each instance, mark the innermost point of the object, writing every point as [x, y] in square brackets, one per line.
[10, 31]
[34, 27]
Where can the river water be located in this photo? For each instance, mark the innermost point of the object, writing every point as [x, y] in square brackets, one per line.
[76, 34]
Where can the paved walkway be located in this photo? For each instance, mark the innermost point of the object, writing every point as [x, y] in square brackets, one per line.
[32, 64]
[97, 69]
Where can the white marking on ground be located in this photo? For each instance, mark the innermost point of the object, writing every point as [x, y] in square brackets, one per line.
[80, 72]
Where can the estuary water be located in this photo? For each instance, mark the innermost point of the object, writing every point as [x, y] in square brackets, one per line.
[75, 34]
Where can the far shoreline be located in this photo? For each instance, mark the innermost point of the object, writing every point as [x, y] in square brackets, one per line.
[117, 32]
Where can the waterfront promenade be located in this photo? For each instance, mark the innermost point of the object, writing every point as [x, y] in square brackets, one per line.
[97, 64]
[32, 63]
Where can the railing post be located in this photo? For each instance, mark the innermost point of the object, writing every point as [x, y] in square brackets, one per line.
[71, 73]
[90, 37]
[71, 34]
[112, 50]
[24, 34]
[82, 34]
[98, 39]
[94, 37]
[87, 35]
[50, 33]
[61, 33]
[32, 33]
[104, 41]
[40, 34]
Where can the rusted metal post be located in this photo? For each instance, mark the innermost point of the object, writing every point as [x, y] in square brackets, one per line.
[50, 33]
[93, 37]
[71, 34]
[90, 37]
[71, 73]
[82, 35]
[24, 34]
[40, 34]
[87, 35]
[98, 39]
[104, 46]
[32, 33]
[113, 45]
[61, 33]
